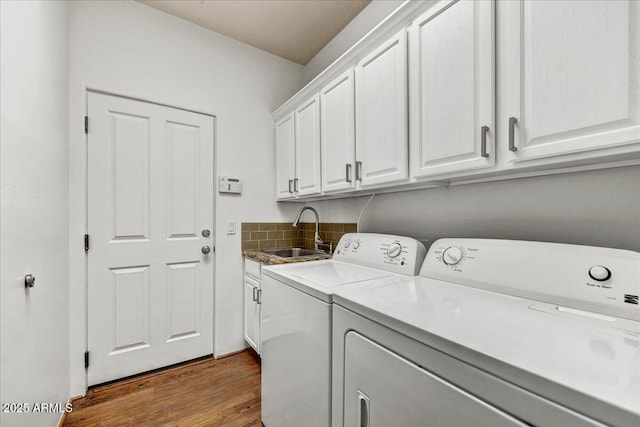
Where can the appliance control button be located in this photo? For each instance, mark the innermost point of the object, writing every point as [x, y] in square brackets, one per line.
[356, 244]
[394, 250]
[599, 273]
[347, 244]
[452, 255]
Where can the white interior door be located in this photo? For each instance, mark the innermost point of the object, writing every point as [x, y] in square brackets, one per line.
[150, 197]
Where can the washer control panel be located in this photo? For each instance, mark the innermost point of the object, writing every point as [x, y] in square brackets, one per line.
[398, 254]
[595, 279]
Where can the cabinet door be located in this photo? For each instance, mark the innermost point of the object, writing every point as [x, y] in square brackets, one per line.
[383, 389]
[452, 96]
[576, 79]
[308, 147]
[338, 145]
[285, 157]
[251, 313]
[381, 114]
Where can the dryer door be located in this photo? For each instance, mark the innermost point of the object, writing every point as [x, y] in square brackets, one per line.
[384, 389]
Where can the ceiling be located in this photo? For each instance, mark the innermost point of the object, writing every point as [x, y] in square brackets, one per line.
[293, 29]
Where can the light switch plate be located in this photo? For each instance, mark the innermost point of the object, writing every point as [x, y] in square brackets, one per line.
[231, 227]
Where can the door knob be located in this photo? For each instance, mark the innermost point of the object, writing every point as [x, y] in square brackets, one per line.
[29, 281]
[206, 250]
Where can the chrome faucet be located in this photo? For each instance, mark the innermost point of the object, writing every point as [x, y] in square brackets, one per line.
[317, 240]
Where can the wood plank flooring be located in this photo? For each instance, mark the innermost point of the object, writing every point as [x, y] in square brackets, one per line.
[209, 392]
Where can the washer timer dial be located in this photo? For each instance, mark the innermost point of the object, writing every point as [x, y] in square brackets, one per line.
[452, 255]
[394, 250]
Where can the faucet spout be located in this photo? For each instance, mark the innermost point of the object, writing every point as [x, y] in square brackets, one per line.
[317, 240]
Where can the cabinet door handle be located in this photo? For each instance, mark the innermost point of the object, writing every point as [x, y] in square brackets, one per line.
[483, 141]
[255, 296]
[348, 178]
[259, 296]
[295, 185]
[290, 184]
[512, 136]
[358, 171]
[363, 406]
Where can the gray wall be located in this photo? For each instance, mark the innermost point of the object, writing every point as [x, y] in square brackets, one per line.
[596, 208]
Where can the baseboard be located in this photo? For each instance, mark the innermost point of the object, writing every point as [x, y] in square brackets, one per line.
[63, 416]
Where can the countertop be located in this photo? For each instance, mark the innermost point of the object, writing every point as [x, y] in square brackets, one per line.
[275, 260]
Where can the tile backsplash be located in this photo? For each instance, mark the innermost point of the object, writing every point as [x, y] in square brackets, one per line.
[265, 235]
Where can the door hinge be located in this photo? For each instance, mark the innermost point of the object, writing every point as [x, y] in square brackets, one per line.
[86, 124]
[86, 359]
[86, 242]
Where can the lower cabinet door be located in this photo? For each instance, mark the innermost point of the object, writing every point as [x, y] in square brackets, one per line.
[382, 388]
[252, 313]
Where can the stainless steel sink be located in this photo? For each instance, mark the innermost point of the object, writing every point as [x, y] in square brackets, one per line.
[291, 252]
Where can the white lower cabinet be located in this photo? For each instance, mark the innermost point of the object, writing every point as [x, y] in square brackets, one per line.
[252, 303]
[382, 388]
[574, 79]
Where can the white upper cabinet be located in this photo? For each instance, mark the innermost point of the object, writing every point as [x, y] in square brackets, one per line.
[338, 133]
[574, 86]
[307, 179]
[452, 94]
[285, 157]
[381, 114]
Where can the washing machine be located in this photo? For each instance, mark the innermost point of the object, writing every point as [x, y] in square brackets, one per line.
[493, 333]
[297, 306]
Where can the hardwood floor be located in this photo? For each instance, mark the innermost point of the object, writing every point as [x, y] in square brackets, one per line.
[223, 392]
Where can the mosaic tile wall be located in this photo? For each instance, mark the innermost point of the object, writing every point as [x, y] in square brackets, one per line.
[265, 235]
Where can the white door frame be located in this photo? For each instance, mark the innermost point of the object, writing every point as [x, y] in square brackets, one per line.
[75, 350]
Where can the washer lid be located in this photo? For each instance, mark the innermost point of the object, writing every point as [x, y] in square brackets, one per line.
[586, 356]
[329, 273]
[321, 278]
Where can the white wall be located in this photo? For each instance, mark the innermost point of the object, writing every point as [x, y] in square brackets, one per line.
[34, 215]
[124, 47]
[364, 22]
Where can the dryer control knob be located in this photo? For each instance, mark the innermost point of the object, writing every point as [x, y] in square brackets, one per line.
[599, 273]
[356, 244]
[452, 255]
[394, 250]
[347, 244]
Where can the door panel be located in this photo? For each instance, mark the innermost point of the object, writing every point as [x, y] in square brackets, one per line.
[130, 176]
[183, 311]
[130, 302]
[150, 194]
[183, 180]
